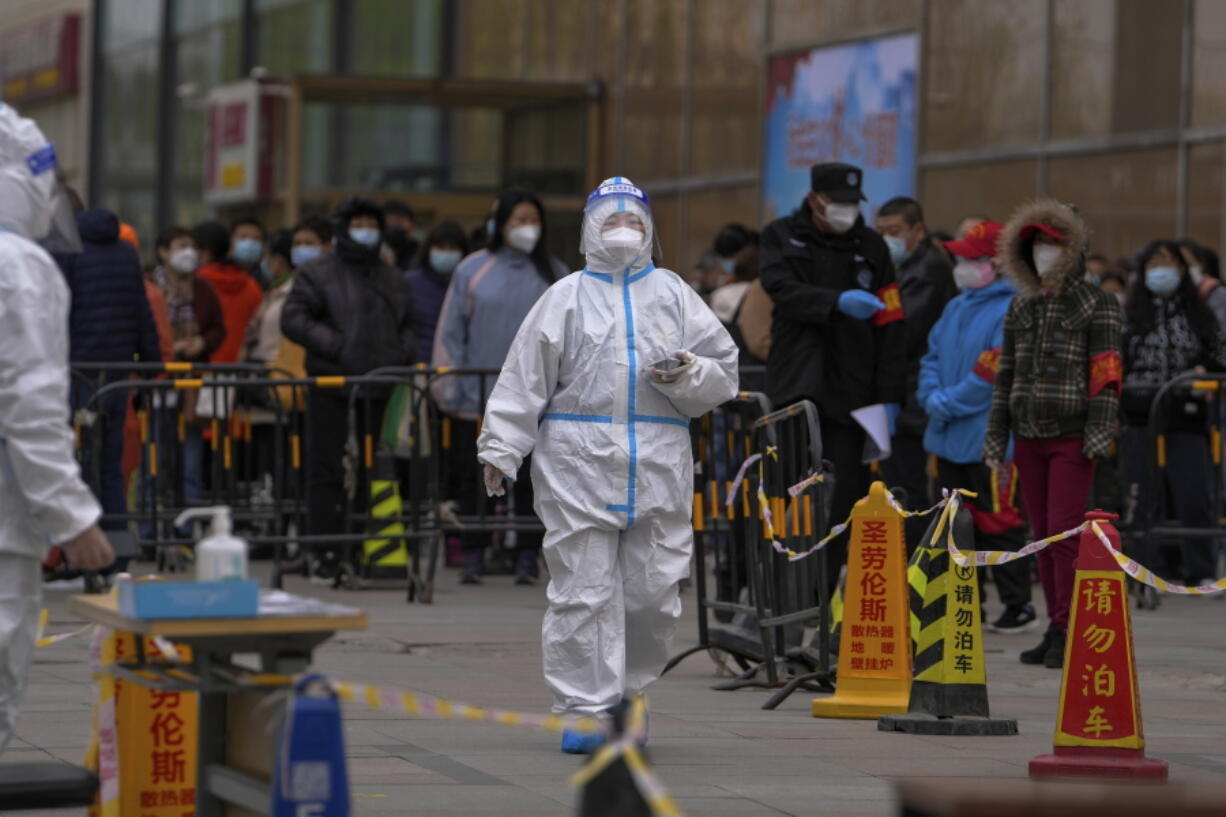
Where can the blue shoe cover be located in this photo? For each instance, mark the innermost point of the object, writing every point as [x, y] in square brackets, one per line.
[575, 742]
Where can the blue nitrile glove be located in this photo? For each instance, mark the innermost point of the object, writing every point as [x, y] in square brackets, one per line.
[937, 407]
[891, 415]
[856, 303]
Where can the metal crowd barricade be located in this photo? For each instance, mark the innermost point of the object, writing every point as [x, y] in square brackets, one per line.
[722, 440]
[240, 439]
[463, 510]
[1158, 522]
[267, 494]
[438, 463]
[790, 596]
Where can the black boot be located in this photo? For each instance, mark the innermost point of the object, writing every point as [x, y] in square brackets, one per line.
[1054, 659]
[1038, 655]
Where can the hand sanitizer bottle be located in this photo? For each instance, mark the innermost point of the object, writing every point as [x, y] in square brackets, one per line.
[219, 556]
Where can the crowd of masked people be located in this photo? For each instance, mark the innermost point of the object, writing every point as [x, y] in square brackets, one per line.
[342, 295]
[1012, 361]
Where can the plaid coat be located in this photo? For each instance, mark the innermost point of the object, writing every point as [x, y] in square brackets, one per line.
[1060, 370]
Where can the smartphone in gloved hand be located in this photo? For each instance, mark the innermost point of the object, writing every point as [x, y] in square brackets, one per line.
[670, 369]
[666, 365]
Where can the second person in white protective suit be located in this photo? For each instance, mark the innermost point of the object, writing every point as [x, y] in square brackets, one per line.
[600, 385]
[43, 501]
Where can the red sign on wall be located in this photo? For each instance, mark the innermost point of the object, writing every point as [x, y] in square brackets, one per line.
[245, 123]
[41, 61]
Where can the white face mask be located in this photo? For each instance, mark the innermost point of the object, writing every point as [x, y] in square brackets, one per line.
[185, 260]
[841, 217]
[973, 274]
[622, 245]
[1046, 257]
[524, 237]
[1196, 275]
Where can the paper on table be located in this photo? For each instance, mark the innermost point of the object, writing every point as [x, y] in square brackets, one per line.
[280, 603]
[876, 423]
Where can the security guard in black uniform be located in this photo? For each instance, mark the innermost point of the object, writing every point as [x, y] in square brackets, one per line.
[837, 333]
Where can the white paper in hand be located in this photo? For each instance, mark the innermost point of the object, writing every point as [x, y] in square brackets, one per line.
[876, 423]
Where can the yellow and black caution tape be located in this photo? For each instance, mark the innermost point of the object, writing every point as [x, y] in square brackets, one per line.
[1146, 576]
[428, 706]
[652, 790]
[43, 640]
[1000, 557]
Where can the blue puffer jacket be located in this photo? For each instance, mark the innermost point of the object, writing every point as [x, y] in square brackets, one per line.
[959, 371]
[110, 318]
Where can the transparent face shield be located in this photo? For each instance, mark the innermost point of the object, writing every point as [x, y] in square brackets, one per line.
[617, 226]
[33, 201]
[62, 235]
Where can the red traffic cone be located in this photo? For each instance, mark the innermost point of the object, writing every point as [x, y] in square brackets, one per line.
[1098, 726]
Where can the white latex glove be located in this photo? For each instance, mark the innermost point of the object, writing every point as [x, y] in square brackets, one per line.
[493, 481]
[673, 375]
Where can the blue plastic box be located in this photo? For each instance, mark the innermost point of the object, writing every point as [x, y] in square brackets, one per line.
[162, 600]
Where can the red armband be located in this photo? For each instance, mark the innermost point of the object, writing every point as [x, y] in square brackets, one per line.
[1106, 369]
[987, 365]
[893, 306]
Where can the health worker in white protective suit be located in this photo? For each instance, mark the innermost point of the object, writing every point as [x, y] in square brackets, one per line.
[600, 385]
[43, 501]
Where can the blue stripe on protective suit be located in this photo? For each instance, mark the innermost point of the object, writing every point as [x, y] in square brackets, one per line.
[631, 395]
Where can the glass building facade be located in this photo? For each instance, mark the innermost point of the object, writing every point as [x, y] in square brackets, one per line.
[1113, 105]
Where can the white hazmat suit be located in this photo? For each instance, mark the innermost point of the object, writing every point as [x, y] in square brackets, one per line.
[43, 501]
[611, 465]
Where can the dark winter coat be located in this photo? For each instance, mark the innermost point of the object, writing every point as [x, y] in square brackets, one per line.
[350, 317]
[1170, 347]
[926, 283]
[110, 318]
[1060, 370]
[427, 288]
[817, 352]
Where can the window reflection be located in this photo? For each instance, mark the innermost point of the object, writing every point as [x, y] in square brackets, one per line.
[1082, 76]
[985, 74]
[1206, 165]
[991, 189]
[1126, 197]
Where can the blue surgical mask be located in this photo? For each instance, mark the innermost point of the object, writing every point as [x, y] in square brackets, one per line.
[444, 261]
[489, 226]
[365, 235]
[247, 251]
[728, 265]
[898, 248]
[302, 253]
[1162, 280]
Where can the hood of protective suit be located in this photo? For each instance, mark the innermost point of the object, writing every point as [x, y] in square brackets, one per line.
[1015, 249]
[614, 195]
[27, 176]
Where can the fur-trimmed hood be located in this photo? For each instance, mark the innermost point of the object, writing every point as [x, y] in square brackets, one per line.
[1014, 251]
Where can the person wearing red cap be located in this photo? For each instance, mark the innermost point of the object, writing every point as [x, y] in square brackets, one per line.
[1057, 391]
[955, 389]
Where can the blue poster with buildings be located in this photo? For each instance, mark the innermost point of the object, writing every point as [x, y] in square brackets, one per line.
[853, 102]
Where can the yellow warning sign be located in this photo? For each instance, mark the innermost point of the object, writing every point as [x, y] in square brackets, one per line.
[950, 671]
[874, 676]
[153, 743]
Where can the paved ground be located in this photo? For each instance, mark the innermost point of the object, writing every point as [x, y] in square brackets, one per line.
[717, 752]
